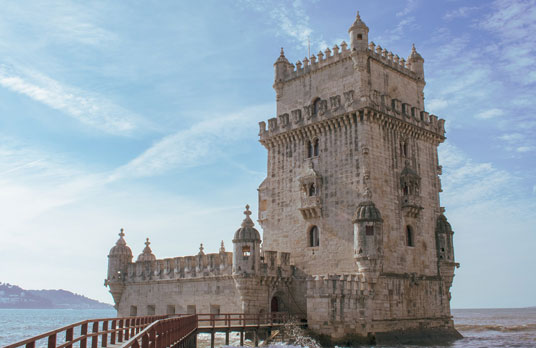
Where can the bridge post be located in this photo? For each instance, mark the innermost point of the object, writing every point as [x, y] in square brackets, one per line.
[227, 337]
[52, 341]
[83, 333]
[212, 337]
[241, 337]
[256, 338]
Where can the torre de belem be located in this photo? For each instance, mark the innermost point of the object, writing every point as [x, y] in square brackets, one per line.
[354, 239]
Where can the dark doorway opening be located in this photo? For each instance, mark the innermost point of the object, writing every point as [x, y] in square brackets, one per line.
[274, 305]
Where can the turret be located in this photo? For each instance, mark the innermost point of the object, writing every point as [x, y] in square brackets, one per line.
[416, 62]
[118, 259]
[246, 248]
[147, 254]
[358, 35]
[282, 69]
[444, 233]
[368, 237]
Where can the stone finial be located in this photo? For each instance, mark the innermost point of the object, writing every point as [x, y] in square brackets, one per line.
[313, 59]
[357, 17]
[222, 247]
[121, 233]
[344, 45]
[328, 52]
[305, 62]
[335, 50]
[282, 54]
[247, 221]
[298, 65]
[201, 250]
[367, 194]
[147, 254]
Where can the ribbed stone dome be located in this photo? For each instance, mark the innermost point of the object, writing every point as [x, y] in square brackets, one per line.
[247, 233]
[414, 54]
[367, 211]
[358, 23]
[147, 254]
[120, 248]
[442, 225]
[282, 57]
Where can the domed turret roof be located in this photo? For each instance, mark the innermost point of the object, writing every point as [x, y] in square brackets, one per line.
[367, 211]
[358, 24]
[120, 248]
[147, 254]
[442, 225]
[282, 58]
[247, 233]
[414, 54]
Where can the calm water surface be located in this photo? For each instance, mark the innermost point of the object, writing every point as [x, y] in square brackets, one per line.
[480, 327]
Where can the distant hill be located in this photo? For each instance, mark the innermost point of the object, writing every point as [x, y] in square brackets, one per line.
[12, 296]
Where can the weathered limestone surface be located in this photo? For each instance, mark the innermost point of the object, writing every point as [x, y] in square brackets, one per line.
[354, 238]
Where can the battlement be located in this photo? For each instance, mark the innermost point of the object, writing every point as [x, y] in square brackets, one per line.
[347, 106]
[330, 57]
[203, 265]
[336, 284]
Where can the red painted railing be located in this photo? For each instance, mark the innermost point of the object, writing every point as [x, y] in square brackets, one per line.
[240, 319]
[153, 331]
[170, 332]
[95, 332]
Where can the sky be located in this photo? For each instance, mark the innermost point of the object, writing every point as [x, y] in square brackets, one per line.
[143, 116]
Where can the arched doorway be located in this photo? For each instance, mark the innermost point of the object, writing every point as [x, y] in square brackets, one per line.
[274, 305]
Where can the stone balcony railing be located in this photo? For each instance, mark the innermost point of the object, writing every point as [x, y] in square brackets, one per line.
[411, 205]
[311, 207]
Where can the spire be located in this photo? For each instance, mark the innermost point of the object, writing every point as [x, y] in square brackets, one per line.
[247, 221]
[222, 248]
[358, 23]
[414, 55]
[147, 254]
[120, 247]
[121, 240]
[282, 57]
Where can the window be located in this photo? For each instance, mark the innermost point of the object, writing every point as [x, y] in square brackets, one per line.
[406, 189]
[133, 311]
[214, 309]
[310, 149]
[170, 309]
[359, 36]
[409, 236]
[316, 106]
[151, 310]
[190, 309]
[246, 251]
[315, 147]
[369, 230]
[312, 190]
[314, 238]
[404, 149]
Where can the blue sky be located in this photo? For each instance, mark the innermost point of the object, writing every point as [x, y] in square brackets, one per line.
[144, 116]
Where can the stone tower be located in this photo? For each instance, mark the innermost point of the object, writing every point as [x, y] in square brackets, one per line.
[352, 189]
[118, 260]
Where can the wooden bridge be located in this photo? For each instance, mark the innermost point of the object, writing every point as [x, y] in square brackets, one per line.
[163, 331]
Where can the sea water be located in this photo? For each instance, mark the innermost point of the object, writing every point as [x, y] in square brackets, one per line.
[480, 327]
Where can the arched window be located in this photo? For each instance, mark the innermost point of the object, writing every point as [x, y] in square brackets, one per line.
[406, 189]
[310, 150]
[314, 237]
[312, 190]
[316, 106]
[360, 36]
[246, 252]
[315, 147]
[409, 236]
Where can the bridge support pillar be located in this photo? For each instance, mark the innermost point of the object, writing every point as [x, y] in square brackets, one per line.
[212, 338]
[241, 338]
[227, 337]
[256, 338]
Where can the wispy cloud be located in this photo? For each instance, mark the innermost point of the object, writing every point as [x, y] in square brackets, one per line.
[88, 108]
[197, 145]
[461, 12]
[491, 113]
[411, 5]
